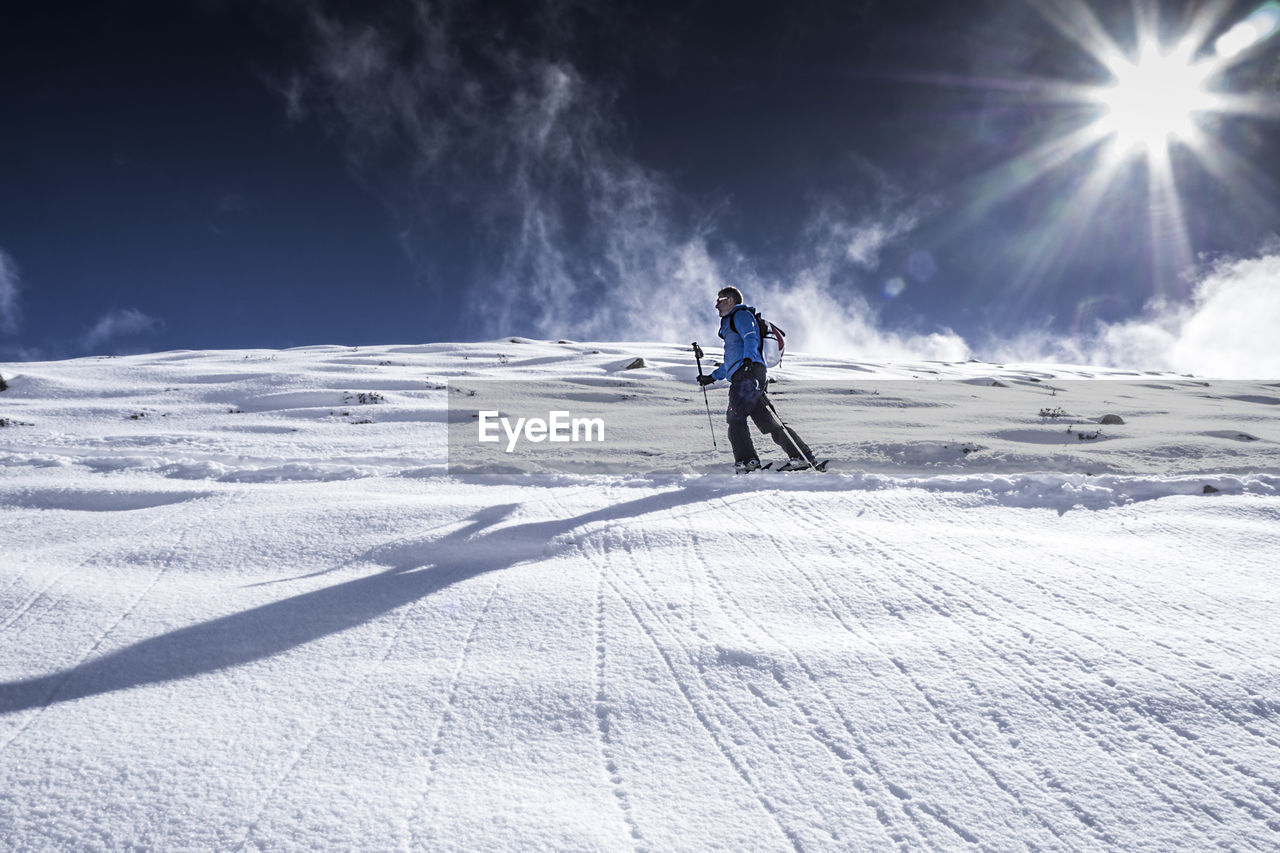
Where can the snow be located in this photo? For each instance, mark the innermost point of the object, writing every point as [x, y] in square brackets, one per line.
[243, 610]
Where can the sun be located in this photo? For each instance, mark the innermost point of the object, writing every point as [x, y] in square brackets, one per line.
[1153, 102]
[1157, 96]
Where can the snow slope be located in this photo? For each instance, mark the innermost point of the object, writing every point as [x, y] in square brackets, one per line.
[241, 609]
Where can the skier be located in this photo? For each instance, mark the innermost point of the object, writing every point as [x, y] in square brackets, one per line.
[747, 383]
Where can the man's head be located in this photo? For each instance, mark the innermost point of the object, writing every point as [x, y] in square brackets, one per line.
[727, 298]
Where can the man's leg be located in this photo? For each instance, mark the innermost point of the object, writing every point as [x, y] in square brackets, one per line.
[744, 448]
[769, 424]
[792, 444]
[744, 399]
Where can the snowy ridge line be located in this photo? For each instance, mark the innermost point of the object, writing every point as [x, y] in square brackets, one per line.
[1091, 491]
[1026, 489]
[186, 468]
[1031, 489]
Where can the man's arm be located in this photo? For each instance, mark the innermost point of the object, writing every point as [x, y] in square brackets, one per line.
[750, 337]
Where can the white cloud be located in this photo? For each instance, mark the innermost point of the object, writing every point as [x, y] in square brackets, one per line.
[1227, 331]
[1232, 328]
[9, 289]
[118, 324]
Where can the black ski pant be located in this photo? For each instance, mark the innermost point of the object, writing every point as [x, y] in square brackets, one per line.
[747, 399]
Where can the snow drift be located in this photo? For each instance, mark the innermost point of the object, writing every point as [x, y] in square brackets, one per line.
[249, 600]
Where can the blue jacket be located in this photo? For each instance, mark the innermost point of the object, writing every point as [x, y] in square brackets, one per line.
[741, 336]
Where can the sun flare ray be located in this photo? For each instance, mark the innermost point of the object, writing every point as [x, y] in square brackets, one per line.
[1054, 246]
[1161, 98]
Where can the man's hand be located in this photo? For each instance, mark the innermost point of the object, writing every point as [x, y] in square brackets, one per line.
[704, 379]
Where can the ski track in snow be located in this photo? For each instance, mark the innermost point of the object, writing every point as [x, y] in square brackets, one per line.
[710, 723]
[312, 737]
[807, 716]
[1174, 737]
[834, 604]
[1029, 679]
[1025, 681]
[909, 803]
[433, 747]
[1184, 738]
[242, 608]
[695, 691]
[59, 683]
[603, 711]
[698, 695]
[909, 807]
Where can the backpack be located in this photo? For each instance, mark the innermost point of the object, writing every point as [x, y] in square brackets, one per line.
[773, 344]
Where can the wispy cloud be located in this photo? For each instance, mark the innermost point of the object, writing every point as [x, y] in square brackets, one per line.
[824, 293]
[116, 324]
[835, 235]
[459, 122]
[9, 289]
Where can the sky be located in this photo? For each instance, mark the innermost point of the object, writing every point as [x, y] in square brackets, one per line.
[886, 180]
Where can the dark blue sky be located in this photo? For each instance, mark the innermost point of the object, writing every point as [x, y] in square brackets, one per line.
[227, 174]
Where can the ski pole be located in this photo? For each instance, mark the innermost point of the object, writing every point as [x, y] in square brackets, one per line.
[795, 439]
[697, 354]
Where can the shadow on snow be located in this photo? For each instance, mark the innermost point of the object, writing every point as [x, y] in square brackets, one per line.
[420, 569]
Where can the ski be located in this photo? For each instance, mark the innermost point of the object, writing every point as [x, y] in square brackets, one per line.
[785, 468]
[820, 467]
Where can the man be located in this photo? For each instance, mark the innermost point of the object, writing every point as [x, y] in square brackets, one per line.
[747, 382]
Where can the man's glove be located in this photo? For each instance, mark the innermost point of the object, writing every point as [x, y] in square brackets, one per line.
[704, 379]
